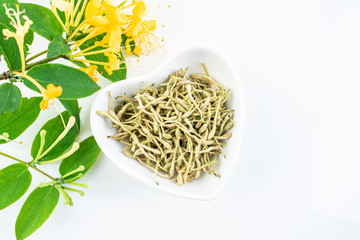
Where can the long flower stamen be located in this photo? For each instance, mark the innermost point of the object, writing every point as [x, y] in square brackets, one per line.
[54, 10]
[67, 18]
[80, 14]
[111, 50]
[91, 62]
[61, 116]
[91, 35]
[89, 48]
[71, 15]
[75, 31]
[75, 11]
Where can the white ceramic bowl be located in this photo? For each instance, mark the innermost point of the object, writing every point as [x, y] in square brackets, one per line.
[206, 187]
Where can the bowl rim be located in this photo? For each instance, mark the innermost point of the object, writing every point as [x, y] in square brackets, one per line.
[240, 124]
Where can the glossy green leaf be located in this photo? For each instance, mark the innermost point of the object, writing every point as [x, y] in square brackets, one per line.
[57, 47]
[36, 210]
[79, 64]
[44, 21]
[117, 75]
[86, 155]
[14, 182]
[10, 98]
[74, 82]
[54, 127]
[73, 107]
[10, 49]
[16, 123]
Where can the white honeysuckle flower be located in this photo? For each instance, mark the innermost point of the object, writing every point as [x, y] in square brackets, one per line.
[20, 30]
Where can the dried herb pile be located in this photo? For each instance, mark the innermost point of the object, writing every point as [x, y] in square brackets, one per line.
[176, 128]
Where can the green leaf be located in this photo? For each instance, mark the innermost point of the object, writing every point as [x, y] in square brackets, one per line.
[54, 128]
[10, 98]
[86, 155]
[44, 21]
[57, 47]
[14, 182]
[117, 75]
[10, 49]
[74, 82]
[73, 107]
[79, 64]
[16, 123]
[36, 210]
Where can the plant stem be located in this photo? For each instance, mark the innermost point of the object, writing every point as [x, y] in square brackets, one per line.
[46, 60]
[36, 55]
[2, 76]
[25, 163]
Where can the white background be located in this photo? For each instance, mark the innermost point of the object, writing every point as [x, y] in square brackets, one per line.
[298, 176]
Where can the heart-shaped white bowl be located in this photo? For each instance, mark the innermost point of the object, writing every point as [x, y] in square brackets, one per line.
[206, 187]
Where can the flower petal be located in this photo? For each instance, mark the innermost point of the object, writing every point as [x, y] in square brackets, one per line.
[139, 11]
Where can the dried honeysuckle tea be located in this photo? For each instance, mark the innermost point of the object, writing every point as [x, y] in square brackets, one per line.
[177, 128]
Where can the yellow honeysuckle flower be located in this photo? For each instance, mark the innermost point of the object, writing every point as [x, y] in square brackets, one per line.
[91, 70]
[139, 11]
[140, 31]
[93, 8]
[106, 18]
[73, 12]
[21, 30]
[50, 93]
[62, 5]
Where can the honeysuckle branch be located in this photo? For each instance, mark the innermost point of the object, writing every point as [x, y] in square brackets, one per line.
[45, 60]
[57, 182]
[36, 55]
[6, 75]
[28, 165]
